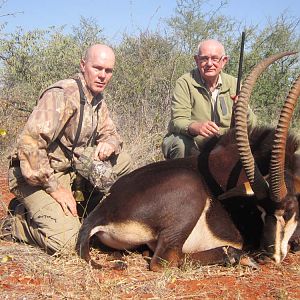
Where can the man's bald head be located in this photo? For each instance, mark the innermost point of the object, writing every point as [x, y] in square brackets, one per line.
[212, 45]
[99, 49]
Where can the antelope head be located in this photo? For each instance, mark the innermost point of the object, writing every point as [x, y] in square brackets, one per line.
[278, 196]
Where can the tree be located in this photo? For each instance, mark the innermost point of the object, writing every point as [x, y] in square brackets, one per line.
[281, 34]
[195, 20]
[35, 59]
[87, 33]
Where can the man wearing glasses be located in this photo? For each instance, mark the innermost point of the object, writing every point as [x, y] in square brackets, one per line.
[202, 103]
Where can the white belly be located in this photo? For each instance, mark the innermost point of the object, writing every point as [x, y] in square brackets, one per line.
[202, 238]
[126, 235]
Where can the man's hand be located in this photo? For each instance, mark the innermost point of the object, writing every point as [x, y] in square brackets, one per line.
[66, 200]
[234, 98]
[206, 129]
[103, 151]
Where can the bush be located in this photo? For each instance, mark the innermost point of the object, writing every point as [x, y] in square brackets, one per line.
[147, 67]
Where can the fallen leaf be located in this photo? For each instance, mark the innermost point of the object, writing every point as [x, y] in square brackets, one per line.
[3, 132]
[6, 259]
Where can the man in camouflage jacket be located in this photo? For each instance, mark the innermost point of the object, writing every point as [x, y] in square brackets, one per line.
[41, 173]
[202, 103]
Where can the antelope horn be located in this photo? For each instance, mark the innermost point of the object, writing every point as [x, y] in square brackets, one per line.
[257, 182]
[277, 184]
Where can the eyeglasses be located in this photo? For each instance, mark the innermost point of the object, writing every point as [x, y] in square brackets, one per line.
[205, 59]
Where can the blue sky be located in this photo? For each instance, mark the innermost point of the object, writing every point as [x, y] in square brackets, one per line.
[118, 16]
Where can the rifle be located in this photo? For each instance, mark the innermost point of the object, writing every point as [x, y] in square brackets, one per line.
[239, 78]
[240, 72]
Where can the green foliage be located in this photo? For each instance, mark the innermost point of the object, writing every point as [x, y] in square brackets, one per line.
[87, 33]
[148, 64]
[140, 60]
[34, 60]
[196, 20]
[140, 92]
[273, 85]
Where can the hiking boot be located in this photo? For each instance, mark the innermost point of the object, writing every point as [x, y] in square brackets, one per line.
[6, 229]
[12, 206]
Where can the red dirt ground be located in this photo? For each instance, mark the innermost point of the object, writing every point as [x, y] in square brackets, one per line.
[271, 281]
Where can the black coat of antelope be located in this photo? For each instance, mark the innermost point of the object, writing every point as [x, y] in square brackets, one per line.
[180, 207]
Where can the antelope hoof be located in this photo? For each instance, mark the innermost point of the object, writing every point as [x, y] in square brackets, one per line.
[95, 265]
[295, 245]
[249, 262]
[264, 259]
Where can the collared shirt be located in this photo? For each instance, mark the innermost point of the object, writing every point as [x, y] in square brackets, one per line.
[215, 93]
[214, 97]
[51, 129]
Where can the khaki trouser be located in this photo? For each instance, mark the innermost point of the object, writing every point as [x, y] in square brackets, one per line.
[40, 220]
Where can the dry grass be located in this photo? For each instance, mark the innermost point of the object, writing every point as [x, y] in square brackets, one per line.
[29, 273]
[41, 276]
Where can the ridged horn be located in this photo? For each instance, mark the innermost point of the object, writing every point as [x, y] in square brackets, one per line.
[257, 182]
[278, 188]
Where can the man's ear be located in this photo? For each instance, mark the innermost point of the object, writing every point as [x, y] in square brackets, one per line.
[243, 190]
[196, 58]
[225, 60]
[296, 167]
[82, 65]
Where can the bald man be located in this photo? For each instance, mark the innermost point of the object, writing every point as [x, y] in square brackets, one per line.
[70, 116]
[202, 103]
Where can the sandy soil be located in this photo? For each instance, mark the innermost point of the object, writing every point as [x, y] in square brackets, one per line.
[28, 273]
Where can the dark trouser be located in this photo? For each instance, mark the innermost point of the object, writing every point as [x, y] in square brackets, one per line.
[178, 146]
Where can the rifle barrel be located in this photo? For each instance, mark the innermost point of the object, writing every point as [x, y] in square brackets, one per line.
[240, 71]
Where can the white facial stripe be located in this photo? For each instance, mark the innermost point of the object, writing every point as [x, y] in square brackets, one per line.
[277, 242]
[289, 229]
[263, 213]
[284, 231]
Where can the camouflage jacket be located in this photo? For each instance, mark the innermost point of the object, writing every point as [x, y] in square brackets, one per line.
[45, 144]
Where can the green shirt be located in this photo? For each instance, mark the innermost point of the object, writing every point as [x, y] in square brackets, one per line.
[192, 102]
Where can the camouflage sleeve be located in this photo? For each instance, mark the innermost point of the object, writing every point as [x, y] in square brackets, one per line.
[41, 128]
[107, 131]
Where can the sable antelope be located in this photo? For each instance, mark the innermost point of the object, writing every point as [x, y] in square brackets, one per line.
[278, 197]
[172, 206]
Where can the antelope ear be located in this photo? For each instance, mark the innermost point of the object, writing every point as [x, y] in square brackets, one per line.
[297, 171]
[241, 190]
[297, 184]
